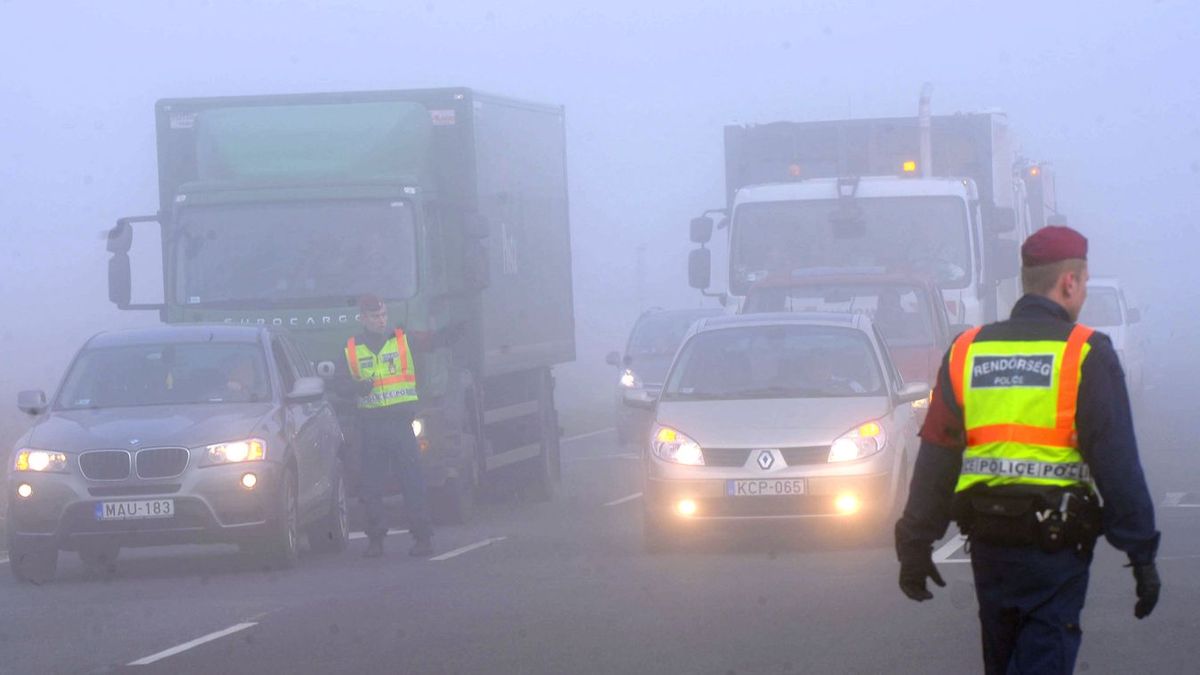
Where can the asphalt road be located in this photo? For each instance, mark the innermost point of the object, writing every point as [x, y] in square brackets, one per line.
[564, 587]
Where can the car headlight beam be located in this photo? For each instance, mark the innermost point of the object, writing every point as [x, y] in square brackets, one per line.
[32, 459]
[862, 441]
[671, 445]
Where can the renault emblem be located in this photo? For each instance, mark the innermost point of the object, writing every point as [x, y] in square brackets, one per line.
[765, 460]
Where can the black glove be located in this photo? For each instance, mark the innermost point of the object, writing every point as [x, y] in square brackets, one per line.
[916, 565]
[1148, 586]
[363, 387]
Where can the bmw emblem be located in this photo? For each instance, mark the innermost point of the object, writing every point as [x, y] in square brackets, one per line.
[765, 460]
[134, 441]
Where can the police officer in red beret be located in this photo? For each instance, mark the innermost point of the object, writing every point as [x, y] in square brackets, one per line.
[1029, 426]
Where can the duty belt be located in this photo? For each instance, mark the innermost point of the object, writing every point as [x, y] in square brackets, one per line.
[1023, 468]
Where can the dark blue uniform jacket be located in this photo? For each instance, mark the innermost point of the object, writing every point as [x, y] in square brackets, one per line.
[1106, 441]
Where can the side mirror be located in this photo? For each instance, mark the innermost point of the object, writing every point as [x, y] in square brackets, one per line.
[326, 369]
[1134, 315]
[1003, 259]
[640, 400]
[1000, 219]
[119, 284]
[613, 359]
[120, 237]
[32, 401]
[701, 230]
[913, 391]
[307, 389]
[700, 268]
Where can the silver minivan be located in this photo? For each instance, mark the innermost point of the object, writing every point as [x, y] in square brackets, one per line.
[779, 416]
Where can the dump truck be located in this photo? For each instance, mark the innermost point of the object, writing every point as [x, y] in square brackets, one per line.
[448, 203]
[934, 196]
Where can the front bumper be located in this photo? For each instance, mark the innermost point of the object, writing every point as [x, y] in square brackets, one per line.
[211, 506]
[820, 499]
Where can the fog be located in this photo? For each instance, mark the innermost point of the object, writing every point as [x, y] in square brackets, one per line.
[1108, 92]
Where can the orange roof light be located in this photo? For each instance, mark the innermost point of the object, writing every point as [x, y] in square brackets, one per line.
[1034, 171]
[909, 166]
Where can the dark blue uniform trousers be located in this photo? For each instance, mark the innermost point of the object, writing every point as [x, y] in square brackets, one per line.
[1029, 606]
[388, 446]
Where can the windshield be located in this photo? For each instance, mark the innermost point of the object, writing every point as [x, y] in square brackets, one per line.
[1102, 308]
[294, 254]
[186, 373]
[900, 311]
[775, 362]
[923, 235]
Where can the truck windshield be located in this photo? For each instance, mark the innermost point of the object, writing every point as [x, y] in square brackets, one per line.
[926, 236]
[294, 254]
[155, 374]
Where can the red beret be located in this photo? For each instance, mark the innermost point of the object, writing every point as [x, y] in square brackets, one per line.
[1051, 244]
[369, 302]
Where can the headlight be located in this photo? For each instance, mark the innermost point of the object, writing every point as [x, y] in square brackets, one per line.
[29, 459]
[629, 380]
[249, 450]
[864, 441]
[418, 427]
[670, 445]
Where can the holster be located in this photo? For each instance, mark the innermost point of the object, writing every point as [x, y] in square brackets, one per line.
[1051, 518]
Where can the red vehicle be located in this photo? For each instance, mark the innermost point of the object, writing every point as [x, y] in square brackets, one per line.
[908, 311]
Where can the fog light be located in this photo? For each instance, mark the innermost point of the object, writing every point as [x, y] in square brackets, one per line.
[686, 508]
[24, 490]
[847, 504]
[249, 480]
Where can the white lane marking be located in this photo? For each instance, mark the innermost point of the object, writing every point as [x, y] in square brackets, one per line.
[192, 643]
[597, 458]
[622, 500]
[942, 555]
[580, 437]
[1177, 557]
[363, 535]
[1173, 499]
[467, 549]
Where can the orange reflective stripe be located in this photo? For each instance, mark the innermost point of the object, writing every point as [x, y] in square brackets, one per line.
[958, 361]
[395, 379]
[352, 357]
[1019, 433]
[1068, 379]
[402, 345]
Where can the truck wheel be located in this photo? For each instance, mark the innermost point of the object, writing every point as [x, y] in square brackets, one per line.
[278, 547]
[31, 563]
[331, 534]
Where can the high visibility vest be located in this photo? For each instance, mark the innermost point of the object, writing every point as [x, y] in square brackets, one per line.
[1018, 399]
[391, 371]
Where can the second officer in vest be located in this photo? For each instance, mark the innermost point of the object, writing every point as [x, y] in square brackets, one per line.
[380, 365]
[1029, 421]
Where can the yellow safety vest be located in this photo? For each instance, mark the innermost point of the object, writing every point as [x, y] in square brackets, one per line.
[391, 371]
[1018, 400]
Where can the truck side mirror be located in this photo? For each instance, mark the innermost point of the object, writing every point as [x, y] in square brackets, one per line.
[1000, 219]
[119, 285]
[1003, 259]
[701, 229]
[700, 268]
[120, 237]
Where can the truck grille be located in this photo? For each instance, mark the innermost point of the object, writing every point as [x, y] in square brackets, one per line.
[104, 464]
[161, 462]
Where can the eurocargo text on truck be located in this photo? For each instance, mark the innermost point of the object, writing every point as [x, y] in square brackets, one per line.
[448, 203]
[940, 197]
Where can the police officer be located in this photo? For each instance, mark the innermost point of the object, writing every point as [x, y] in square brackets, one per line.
[382, 376]
[1029, 418]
